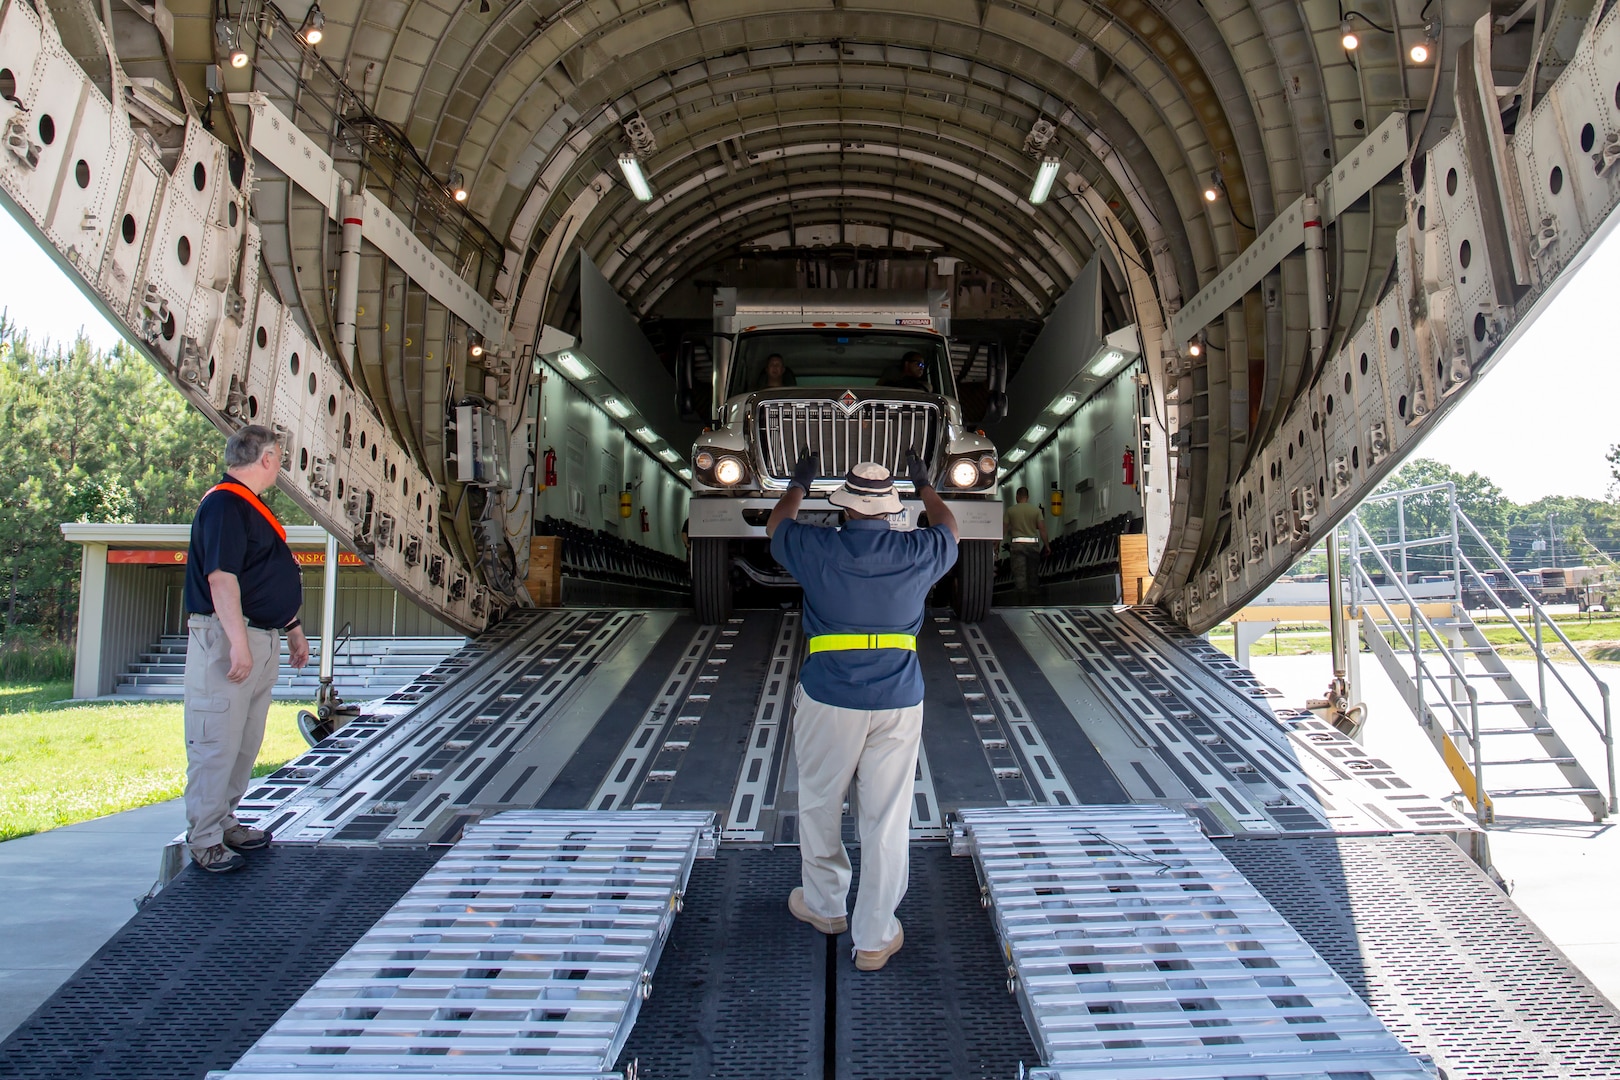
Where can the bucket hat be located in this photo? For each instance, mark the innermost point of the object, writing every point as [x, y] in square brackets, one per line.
[868, 489]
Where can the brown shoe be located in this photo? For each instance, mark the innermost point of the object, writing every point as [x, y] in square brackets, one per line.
[246, 838]
[217, 859]
[874, 959]
[803, 913]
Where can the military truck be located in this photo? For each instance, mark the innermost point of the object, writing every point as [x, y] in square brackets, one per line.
[852, 375]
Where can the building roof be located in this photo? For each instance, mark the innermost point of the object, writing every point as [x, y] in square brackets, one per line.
[166, 537]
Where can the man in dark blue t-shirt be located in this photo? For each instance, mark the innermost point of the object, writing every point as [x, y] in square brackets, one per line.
[858, 707]
[243, 591]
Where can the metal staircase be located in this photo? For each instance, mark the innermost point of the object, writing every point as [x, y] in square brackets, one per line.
[1496, 736]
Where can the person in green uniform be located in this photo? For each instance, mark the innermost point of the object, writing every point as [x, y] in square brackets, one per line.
[1024, 526]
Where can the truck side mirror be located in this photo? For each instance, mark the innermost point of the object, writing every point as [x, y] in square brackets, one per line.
[996, 376]
[686, 396]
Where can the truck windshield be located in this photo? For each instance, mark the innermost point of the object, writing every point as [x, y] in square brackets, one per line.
[839, 359]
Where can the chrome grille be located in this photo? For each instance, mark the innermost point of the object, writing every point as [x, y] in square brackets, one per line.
[879, 431]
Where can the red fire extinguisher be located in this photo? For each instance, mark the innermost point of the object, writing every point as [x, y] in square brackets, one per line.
[1130, 468]
[551, 467]
[644, 526]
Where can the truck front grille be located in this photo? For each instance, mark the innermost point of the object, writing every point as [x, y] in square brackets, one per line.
[880, 431]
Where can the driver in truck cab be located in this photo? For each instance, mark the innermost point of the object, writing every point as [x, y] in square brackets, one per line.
[858, 707]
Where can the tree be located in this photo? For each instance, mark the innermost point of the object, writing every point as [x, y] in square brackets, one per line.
[88, 436]
[1428, 515]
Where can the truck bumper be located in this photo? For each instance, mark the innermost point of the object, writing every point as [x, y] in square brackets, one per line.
[743, 518]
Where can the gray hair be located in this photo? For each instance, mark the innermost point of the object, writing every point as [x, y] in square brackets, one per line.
[248, 445]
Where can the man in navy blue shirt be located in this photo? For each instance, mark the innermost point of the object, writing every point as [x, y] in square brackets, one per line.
[243, 591]
[858, 707]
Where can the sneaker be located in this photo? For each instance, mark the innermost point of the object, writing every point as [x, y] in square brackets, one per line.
[873, 959]
[802, 912]
[246, 838]
[217, 859]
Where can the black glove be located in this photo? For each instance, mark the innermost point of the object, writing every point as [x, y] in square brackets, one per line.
[917, 471]
[805, 472]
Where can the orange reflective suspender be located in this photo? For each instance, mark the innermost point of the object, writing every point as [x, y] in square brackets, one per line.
[254, 501]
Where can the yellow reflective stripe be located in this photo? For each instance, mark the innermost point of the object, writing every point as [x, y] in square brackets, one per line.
[843, 642]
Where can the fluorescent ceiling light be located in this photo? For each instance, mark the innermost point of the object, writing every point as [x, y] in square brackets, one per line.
[1015, 455]
[630, 165]
[616, 407]
[570, 363]
[1043, 180]
[686, 474]
[669, 455]
[1065, 404]
[646, 434]
[1035, 432]
[1107, 362]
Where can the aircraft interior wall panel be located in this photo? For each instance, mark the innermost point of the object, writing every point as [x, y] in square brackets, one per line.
[87, 186]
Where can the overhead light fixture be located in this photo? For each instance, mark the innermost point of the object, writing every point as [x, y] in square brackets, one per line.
[646, 434]
[669, 455]
[1215, 188]
[1016, 454]
[630, 165]
[1064, 405]
[1036, 432]
[314, 28]
[616, 407]
[1107, 362]
[476, 348]
[230, 42]
[1195, 348]
[570, 363]
[686, 474]
[458, 186]
[1347, 36]
[1422, 50]
[1043, 180]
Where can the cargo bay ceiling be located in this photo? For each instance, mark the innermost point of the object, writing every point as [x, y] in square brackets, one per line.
[1184, 130]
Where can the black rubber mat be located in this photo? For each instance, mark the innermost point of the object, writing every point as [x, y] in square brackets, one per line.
[741, 987]
[706, 771]
[940, 1007]
[208, 965]
[962, 776]
[1444, 958]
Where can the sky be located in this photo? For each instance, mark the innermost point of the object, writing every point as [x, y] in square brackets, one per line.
[1538, 423]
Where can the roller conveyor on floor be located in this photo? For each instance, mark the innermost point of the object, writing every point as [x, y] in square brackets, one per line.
[526, 950]
[1137, 950]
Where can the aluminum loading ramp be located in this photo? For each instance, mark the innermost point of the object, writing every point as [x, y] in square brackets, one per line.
[526, 951]
[1138, 952]
[1043, 709]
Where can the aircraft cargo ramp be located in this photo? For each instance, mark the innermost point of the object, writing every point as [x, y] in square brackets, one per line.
[566, 851]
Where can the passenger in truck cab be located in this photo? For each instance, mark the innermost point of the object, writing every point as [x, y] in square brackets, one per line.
[858, 708]
[776, 374]
[913, 373]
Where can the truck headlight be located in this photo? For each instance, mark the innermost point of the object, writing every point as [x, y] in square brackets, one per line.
[728, 471]
[987, 464]
[703, 459]
[964, 473]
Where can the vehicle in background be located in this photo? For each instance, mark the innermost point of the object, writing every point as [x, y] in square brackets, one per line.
[852, 375]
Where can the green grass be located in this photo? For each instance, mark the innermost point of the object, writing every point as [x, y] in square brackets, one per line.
[1597, 637]
[62, 762]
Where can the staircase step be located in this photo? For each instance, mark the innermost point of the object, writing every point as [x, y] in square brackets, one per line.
[1536, 792]
[1539, 730]
[1533, 761]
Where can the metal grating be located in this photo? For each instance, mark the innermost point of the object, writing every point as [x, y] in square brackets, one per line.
[208, 965]
[1442, 956]
[527, 949]
[1138, 952]
[880, 431]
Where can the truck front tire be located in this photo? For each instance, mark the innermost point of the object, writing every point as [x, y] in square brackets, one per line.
[711, 579]
[975, 578]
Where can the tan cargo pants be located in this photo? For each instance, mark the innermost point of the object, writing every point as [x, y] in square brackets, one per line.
[224, 724]
[877, 750]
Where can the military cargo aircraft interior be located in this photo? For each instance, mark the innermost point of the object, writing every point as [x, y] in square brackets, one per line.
[547, 299]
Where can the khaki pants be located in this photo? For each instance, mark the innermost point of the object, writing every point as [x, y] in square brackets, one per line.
[224, 725]
[878, 751]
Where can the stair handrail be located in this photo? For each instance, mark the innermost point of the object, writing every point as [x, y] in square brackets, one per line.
[1421, 668]
[1539, 615]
